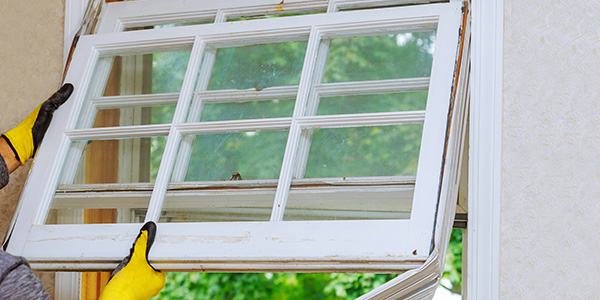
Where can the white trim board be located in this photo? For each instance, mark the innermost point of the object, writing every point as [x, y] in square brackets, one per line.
[483, 270]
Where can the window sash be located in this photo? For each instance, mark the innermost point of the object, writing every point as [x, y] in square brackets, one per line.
[349, 245]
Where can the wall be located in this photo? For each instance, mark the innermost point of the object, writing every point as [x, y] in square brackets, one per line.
[550, 220]
[31, 52]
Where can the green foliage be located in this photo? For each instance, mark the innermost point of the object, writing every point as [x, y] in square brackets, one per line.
[269, 286]
[453, 264]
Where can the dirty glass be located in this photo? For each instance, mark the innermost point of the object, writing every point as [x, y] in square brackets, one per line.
[364, 151]
[254, 155]
[247, 110]
[258, 66]
[348, 203]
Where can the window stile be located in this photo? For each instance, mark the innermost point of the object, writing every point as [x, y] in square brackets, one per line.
[294, 136]
[174, 137]
[197, 105]
[311, 107]
[432, 144]
[321, 252]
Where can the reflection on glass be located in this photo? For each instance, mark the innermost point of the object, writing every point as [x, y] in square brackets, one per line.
[129, 116]
[137, 74]
[218, 205]
[364, 151]
[77, 207]
[247, 110]
[349, 203]
[388, 56]
[254, 155]
[258, 66]
[114, 161]
[372, 103]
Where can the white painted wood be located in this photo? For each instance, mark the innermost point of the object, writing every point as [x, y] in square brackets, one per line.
[135, 100]
[67, 286]
[194, 115]
[297, 243]
[289, 157]
[372, 87]
[483, 273]
[118, 132]
[174, 138]
[122, 15]
[270, 93]
[307, 245]
[362, 120]
[434, 134]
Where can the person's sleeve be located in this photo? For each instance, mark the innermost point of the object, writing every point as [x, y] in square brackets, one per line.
[4, 174]
[17, 281]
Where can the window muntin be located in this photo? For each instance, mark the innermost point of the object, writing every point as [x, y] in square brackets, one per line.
[346, 245]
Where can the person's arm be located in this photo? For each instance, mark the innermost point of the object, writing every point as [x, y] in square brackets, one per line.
[10, 159]
[19, 144]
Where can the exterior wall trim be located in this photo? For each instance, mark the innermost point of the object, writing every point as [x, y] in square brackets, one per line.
[483, 270]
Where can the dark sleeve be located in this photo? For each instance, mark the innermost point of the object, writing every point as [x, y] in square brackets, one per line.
[3, 172]
[17, 281]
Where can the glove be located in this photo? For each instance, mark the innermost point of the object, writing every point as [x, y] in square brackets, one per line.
[134, 278]
[25, 138]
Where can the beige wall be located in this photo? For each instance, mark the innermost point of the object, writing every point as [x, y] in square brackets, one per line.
[550, 220]
[31, 53]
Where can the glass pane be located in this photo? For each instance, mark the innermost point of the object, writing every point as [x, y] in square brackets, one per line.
[230, 177]
[173, 24]
[137, 74]
[248, 110]
[254, 155]
[349, 203]
[79, 207]
[387, 56]
[258, 66]
[218, 205]
[131, 160]
[372, 103]
[278, 12]
[129, 116]
[364, 151]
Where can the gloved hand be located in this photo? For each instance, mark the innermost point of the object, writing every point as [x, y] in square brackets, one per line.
[134, 278]
[25, 138]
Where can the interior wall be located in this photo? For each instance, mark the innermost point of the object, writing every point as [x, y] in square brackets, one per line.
[31, 52]
[550, 220]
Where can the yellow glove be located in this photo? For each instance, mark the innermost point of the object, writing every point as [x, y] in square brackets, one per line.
[25, 138]
[134, 278]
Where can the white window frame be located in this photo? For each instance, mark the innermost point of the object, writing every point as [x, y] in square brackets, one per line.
[482, 273]
[484, 159]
